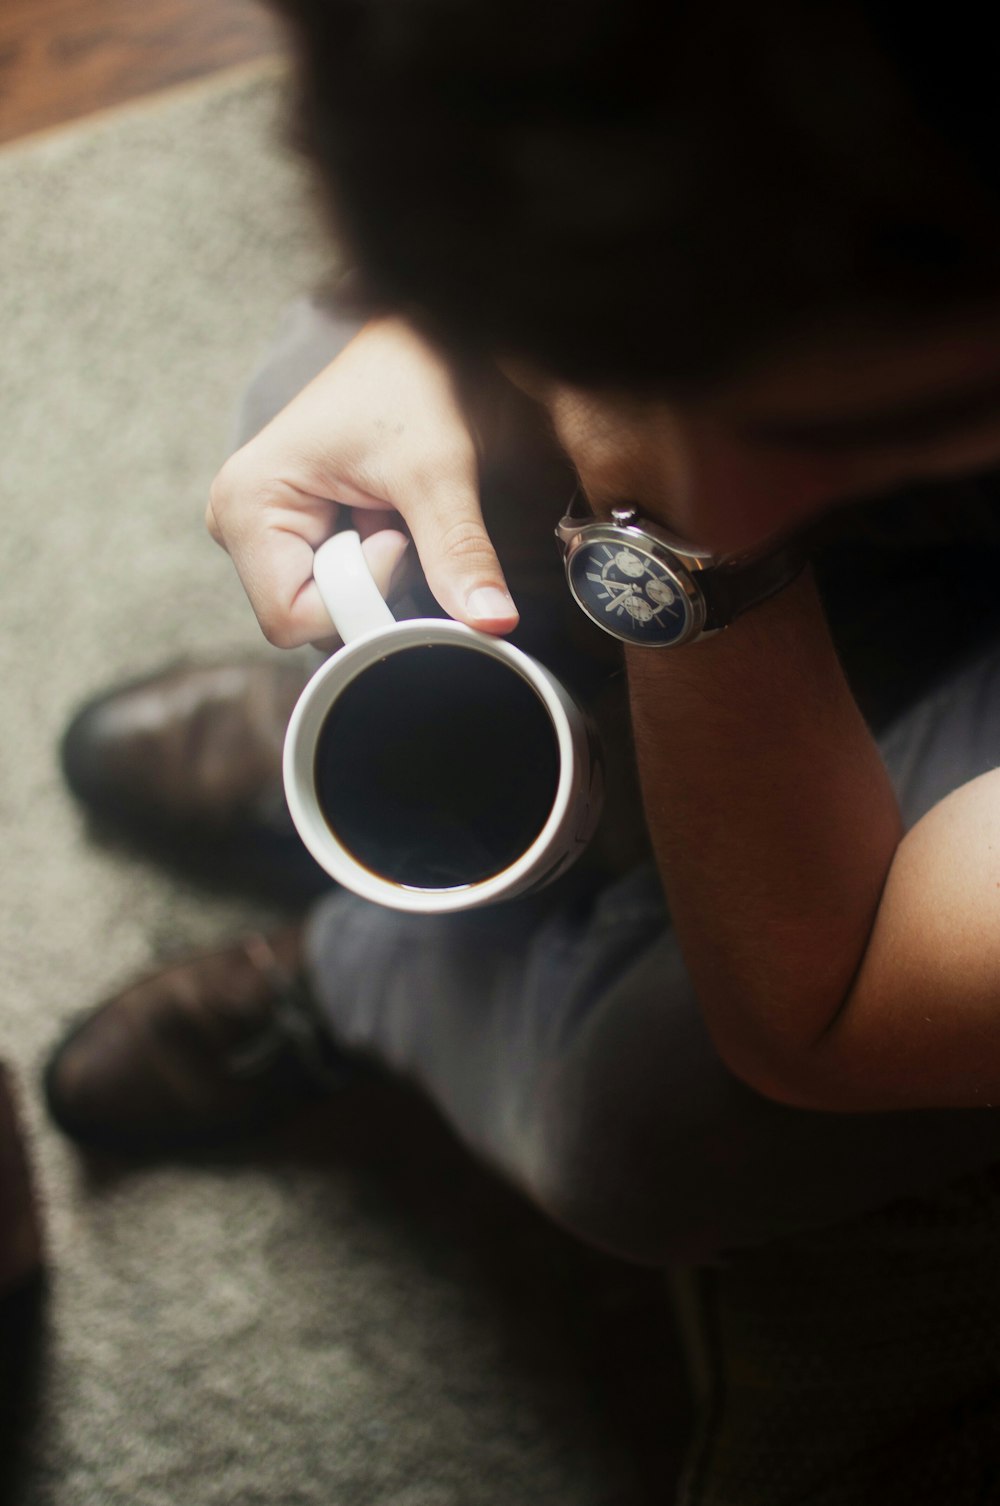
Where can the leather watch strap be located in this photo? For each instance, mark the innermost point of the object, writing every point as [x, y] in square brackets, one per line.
[734, 586]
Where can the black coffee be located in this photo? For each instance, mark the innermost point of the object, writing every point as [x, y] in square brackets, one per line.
[437, 767]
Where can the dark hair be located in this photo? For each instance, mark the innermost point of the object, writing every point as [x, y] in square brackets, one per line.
[641, 193]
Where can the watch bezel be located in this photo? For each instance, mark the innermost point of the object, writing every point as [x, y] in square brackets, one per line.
[681, 561]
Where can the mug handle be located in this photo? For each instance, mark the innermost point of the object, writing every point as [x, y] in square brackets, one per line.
[345, 583]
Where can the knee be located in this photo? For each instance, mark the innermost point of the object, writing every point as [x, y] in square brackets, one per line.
[599, 1168]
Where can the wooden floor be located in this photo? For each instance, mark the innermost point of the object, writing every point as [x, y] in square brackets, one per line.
[62, 59]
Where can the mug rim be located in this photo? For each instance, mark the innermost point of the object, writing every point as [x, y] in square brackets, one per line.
[311, 711]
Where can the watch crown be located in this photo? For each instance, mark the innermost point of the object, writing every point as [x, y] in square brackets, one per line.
[623, 515]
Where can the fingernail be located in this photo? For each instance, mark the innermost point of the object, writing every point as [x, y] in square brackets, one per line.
[489, 603]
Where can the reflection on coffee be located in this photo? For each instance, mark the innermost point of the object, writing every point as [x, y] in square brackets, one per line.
[437, 767]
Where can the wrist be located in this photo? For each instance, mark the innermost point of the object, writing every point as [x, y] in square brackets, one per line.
[648, 587]
[783, 642]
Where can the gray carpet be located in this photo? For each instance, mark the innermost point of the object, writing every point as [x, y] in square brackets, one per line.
[349, 1311]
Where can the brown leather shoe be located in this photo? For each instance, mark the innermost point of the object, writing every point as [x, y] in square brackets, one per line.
[208, 1047]
[190, 746]
[186, 762]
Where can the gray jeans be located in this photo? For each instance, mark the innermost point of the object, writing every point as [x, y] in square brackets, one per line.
[560, 1035]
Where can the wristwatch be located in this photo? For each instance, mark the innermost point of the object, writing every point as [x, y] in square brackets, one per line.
[644, 585]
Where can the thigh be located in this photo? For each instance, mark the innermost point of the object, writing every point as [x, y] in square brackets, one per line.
[565, 1043]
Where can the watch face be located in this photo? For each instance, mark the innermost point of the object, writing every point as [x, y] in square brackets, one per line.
[630, 592]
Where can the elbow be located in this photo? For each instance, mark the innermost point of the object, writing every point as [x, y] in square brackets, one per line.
[796, 1076]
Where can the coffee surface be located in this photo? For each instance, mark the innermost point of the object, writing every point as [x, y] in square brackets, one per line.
[437, 767]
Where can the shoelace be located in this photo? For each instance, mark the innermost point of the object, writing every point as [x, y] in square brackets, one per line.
[294, 1028]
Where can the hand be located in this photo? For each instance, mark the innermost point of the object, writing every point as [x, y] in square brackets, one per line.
[380, 431]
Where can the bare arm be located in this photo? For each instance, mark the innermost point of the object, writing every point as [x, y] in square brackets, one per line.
[840, 965]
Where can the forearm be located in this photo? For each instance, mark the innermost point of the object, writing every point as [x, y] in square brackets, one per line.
[774, 826]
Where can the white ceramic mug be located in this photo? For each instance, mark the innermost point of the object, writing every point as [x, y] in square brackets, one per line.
[567, 804]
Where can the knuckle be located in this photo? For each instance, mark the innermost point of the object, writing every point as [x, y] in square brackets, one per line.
[221, 491]
[237, 484]
[212, 522]
[277, 629]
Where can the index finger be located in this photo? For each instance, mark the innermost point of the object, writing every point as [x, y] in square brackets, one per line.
[457, 555]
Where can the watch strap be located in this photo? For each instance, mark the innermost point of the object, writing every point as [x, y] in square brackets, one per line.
[732, 587]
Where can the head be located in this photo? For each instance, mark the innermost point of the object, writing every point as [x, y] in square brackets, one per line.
[731, 241]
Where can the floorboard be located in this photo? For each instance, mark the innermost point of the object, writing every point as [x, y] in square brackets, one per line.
[63, 59]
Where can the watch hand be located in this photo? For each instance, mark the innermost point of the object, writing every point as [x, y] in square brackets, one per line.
[616, 585]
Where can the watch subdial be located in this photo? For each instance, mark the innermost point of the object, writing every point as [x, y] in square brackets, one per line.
[630, 564]
[638, 608]
[660, 593]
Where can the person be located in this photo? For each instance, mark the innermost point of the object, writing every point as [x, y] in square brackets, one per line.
[743, 268]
